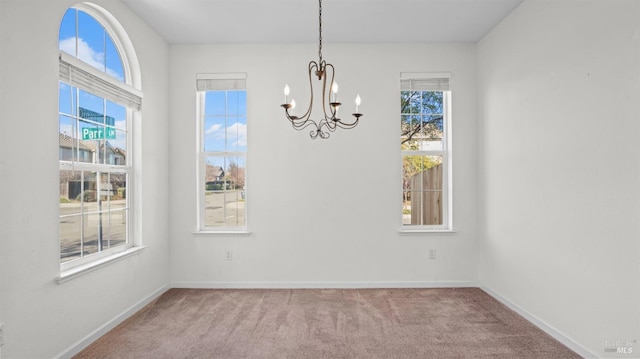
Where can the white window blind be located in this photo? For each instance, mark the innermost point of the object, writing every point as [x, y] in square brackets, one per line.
[78, 74]
[424, 82]
[221, 82]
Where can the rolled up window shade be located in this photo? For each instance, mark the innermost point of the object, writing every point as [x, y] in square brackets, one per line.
[221, 82]
[421, 82]
[78, 74]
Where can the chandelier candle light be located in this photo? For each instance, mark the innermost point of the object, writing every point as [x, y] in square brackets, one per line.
[330, 121]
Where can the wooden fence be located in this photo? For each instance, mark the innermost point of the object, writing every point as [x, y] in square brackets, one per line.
[426, 200]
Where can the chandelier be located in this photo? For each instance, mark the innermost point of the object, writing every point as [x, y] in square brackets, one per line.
[331, 121]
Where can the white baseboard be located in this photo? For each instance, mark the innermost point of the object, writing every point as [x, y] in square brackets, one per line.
[556, 334]
[93, 336]
[321, 285]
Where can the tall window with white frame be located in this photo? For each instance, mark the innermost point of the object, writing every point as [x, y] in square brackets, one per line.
[95, 140]
[222, 152]
[425, 143]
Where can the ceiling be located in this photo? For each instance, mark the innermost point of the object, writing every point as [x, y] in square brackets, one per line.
[343, 21]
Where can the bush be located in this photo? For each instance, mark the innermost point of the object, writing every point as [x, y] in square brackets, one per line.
[122, 192]
[214, 186]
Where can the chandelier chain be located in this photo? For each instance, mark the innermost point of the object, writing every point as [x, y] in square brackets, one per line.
[320, 30]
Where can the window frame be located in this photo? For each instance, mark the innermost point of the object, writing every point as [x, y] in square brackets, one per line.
[83, 77]
[432, 82]
[206, 82]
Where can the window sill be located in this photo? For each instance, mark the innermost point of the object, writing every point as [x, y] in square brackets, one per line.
[428, 232]
[239, 233]
[81, 270]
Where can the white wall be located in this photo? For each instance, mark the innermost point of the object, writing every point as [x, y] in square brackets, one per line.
[559, 83]
[323, 212]
[42, 318]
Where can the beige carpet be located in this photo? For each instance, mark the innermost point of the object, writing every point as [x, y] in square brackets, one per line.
[326, 323]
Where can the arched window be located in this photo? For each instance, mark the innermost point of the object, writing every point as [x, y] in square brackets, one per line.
[97, 105]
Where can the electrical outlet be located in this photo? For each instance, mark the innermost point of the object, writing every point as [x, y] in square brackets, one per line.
[228, 255]
[432, 254]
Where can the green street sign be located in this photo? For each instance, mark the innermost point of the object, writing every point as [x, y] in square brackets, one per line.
[98, 134]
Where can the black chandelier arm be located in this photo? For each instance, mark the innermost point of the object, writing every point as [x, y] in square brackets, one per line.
[300, 123]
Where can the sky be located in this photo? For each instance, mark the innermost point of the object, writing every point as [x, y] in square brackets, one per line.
[225, 121]
[94, 45]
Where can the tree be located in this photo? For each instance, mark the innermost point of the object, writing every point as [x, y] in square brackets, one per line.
[236, 174]
[422, 114]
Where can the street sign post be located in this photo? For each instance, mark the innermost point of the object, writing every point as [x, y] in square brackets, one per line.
[107, 133]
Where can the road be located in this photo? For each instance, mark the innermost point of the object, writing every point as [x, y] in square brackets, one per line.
[73, 224]
[224, 208]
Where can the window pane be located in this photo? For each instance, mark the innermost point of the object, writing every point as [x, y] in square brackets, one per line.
[70, 235]
[214, 134]
[88, 145]
[215, 103]
[224, 192]
[119, 183]
[415, 102]
[214, 209]
[91, 107]
[91, 233]
[215, 185]
[236, 102]
[237, 134]
[405, 97]
[236, 173]
[119, 148]
[411, 128]
[422, 190]
[74, 192]
[67, 99]
[67, 34]
[116, 115]
[214, 173]
[112, 59]
[66, 207]
[431, 102]
[91, 41]
[86, 190]
[432, 125]
[67, 142]
[117, 225]
[423, 208]
[234, 208]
